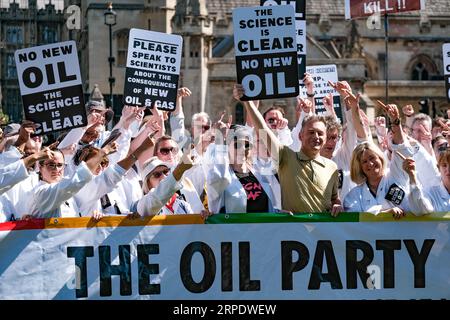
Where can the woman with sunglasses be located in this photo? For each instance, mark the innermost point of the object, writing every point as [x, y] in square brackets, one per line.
[233, 184]
[435, 198]
[162, 187]
[53, 196]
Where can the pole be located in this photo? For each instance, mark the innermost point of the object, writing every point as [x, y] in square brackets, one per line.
[386, 58]
[110, 68]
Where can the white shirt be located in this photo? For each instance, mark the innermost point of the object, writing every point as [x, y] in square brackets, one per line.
[426, 167]
[154, 202]
[12, 174]
[360, 199]
[88, 198]
[436, 198]
[56, 199]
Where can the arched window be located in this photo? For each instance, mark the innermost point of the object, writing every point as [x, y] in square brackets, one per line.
[122, 47]
[422, 68]
[420, 72]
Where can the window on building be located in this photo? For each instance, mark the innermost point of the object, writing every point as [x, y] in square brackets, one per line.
[14, 34]
[13, 105]
[149, 24]
[49, 35]
[11, 71]
[122, 47]
[59, 4]
[420, 72]
[23, 4]
[239, 114]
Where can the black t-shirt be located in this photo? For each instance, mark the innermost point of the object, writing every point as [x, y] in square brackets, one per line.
[257, 199]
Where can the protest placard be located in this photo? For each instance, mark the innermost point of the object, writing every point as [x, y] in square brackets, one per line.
[366, 8]
[446, 55]
[321, 75]
[153, 69]
[300, 27]
[51, 87]
[266, 52]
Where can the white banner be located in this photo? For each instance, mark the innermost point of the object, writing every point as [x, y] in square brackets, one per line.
[321, 75]
[321, 260]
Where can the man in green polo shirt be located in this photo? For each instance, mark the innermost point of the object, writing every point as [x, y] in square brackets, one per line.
[309, 182]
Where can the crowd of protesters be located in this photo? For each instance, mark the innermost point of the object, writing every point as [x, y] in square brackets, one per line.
[320, 166]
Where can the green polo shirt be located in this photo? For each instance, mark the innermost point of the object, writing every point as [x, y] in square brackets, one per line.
[306, 185]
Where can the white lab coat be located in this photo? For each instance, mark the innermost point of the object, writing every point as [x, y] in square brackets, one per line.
[435, 199]
[88, 198]
[154, 202]
[360, 199]
[223, 186]
[56, 199]
[6, 209]
[12, 174]
[426, 167]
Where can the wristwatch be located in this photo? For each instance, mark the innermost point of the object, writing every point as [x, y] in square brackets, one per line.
[311, 95]
[396, 122]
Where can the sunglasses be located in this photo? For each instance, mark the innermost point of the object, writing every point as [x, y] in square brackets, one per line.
[206, 128]
[271, 120]
[158, 174]
[55, 166]
[166, 151]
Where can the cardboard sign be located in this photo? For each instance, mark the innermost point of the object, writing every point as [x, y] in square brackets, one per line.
[300, 27]
[51, 87]
[446, 55]
[366, 8]
[321, 75]
[266, 52]
[153, 69]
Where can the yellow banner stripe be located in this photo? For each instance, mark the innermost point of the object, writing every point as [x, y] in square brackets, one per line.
[386, 217]
[122, 221]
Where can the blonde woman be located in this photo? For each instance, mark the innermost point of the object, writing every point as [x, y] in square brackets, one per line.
[380, 190]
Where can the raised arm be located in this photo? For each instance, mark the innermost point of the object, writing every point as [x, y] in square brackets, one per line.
[272, 144]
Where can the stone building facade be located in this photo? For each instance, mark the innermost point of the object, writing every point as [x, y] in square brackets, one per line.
[24, 23]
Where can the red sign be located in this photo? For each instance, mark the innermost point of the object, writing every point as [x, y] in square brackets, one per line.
[366, 8]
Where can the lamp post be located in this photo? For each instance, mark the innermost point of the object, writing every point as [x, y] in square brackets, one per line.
[110, 20]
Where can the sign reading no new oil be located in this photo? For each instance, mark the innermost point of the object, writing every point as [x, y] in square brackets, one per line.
[266, 52]
[153, 69]
[50, 85]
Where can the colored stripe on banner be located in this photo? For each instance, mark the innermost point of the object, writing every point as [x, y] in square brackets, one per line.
[281, 218]
[23, 225]
[109, 221]
[387, 217]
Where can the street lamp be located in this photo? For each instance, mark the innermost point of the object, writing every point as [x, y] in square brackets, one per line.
[110, 20]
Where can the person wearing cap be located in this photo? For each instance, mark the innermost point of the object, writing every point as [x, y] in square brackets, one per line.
[161, 188]
[8, 138]
[233, 184]
[25, 146]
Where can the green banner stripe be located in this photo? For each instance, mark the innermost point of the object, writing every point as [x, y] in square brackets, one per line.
[322, 217]
[281, 218]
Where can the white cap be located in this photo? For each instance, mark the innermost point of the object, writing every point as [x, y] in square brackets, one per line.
[150, 165]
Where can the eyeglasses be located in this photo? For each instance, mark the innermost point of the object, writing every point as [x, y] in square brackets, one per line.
[54, 166]
[166, 151]
[158, 174]
[271, 120]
